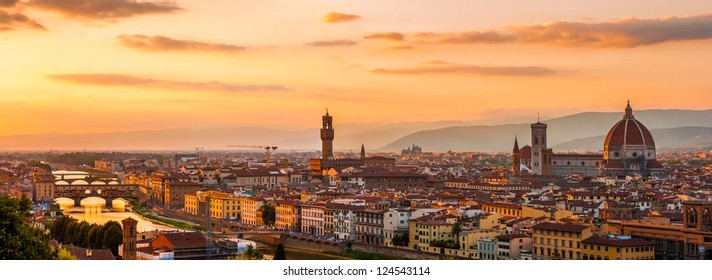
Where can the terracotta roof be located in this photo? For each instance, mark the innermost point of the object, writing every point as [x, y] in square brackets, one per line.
[616, 242]
[185, 240]
[96, 254]
[508, 237]
[629, 131]
[654, 164]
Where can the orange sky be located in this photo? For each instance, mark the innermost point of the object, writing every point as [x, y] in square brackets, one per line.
[122, 65]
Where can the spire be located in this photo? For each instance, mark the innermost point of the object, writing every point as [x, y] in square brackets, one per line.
[327, 111]
[538, 119]
[516, 144]
[363, 152]
[628, 112]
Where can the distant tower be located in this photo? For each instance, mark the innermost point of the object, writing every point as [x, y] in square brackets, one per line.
[327, 137]
[516, 158]
[363, 152]
[538, 147]
[129, 236]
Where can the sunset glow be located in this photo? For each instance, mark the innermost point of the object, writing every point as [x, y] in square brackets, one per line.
[276, 63]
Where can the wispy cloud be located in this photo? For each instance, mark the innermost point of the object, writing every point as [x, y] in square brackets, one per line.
[105, 9]
[161, 43]
[11, 21]
[399, 48]
[133, 81]
[392, 36]
[334, 17]
[439, 67]
[624, 33]
[329, 43]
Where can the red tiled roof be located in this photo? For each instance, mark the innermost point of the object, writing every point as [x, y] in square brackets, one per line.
[601, 240]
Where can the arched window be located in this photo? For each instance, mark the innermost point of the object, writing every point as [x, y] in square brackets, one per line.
[706, 217]
[691, 217]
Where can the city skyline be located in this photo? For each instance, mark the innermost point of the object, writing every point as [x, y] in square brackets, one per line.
[187, 64]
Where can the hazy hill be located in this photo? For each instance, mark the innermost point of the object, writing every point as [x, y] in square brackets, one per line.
[665, 138]
[561, 130]
[433, 136]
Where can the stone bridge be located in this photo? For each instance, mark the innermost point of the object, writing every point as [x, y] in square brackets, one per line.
[108, 192]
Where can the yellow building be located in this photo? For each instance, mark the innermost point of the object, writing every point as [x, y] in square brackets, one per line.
[552, 212]
[249, 212]
[559, 241]
[429, 229]
[489, 221]
[222, 205]
[504, 209]
[287, 215]
[44, 189]
[617, 248]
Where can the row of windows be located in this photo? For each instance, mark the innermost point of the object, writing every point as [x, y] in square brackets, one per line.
[557, 233]
[556, 242]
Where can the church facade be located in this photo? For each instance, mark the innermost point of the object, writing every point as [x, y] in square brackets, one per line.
[629, 150]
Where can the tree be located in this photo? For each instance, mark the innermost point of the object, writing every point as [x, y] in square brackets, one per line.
[99, 238]
[91, 237]
[80, 235]
[280, 254]
[18, 239]
[252, 254]
[456, 228]
[69, 232]
[64, 254]
[113, 236]
[269, 214]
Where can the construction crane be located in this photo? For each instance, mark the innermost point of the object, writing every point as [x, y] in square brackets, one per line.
[267, 149]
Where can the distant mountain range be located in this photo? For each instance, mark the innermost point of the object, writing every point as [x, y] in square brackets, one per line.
[665, 138]
[584, 131]
[568, 131]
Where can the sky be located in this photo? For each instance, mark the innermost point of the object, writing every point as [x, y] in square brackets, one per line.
[89, 66]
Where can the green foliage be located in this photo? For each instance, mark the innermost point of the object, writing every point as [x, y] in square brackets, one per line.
[69, 232]
[269, 215]
[358, 255]
[401, 240]
[64, 254]
[18, 239]
[450, 244]
[280, 254]
[252, 254]
[80, 236]
[113, 236]
[456, 228]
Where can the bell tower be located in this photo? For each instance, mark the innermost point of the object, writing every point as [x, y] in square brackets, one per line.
[538, 147]
[516, 158]
[327, 137]
[129, 236]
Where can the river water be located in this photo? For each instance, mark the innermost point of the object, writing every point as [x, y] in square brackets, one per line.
[95, 212]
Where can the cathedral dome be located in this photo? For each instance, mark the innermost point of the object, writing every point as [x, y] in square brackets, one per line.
[629, 132]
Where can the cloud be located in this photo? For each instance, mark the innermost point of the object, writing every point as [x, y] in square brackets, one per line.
[335, 17]
[399, 48]
[624, 33]
[440, 67]
[11, 21]
[105, 9]
[330, 43]
[8, 3]
[133, 81]
[392, 36]
[161, 43]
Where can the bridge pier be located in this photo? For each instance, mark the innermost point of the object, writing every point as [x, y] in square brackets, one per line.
[77, 201]
[109, 202]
